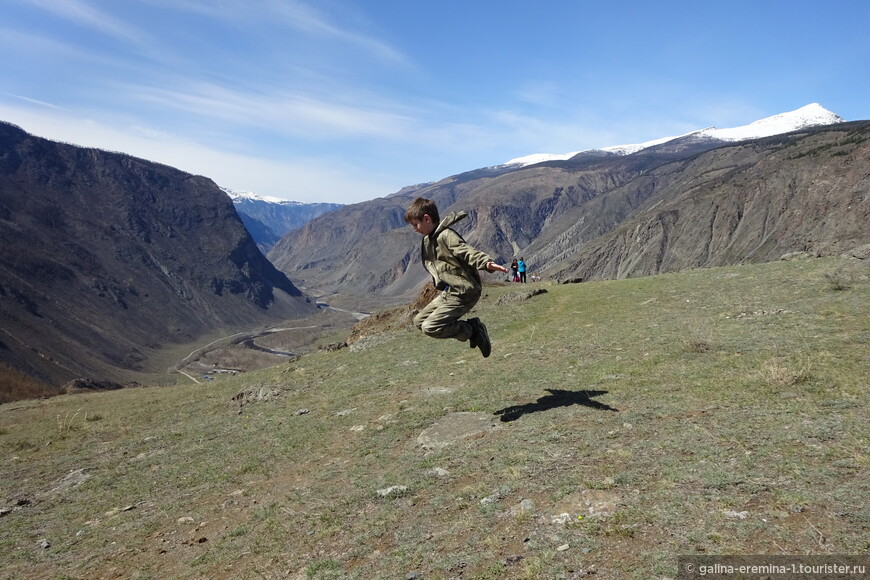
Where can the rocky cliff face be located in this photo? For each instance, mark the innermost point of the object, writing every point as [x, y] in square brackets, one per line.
[753, 202]
[106, 258]
[683, 204]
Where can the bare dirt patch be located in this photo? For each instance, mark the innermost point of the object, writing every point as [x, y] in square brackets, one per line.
[455, 427]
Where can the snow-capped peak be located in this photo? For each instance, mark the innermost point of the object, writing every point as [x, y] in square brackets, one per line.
[811, 115]
[237, 196]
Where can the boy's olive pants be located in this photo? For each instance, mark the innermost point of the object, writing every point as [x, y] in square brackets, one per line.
[440, 318]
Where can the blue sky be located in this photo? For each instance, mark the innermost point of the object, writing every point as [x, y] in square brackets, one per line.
[346, 101]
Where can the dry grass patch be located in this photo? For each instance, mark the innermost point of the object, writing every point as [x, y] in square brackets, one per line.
[16, 386]
[786, 371]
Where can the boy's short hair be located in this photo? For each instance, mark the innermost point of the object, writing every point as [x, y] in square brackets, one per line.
[420, 207]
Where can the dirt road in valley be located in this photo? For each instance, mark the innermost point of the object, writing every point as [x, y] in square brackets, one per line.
[300, 339]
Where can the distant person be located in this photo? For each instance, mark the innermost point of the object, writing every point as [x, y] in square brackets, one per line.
[535, 277]
[453, 265]
[515, 269]
[521, 268]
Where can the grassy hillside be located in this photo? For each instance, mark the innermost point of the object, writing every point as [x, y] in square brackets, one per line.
[617, 425]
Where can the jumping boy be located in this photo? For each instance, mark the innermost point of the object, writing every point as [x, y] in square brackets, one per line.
[453, 265]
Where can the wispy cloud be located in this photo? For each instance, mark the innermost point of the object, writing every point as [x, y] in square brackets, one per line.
[35, 101]
[277, 110]
[540, 93]
[85, 14]
[309, 19]
[306, 18]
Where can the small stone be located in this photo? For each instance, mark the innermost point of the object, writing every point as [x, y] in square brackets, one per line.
[563, 548]
[393, 491]
[526, 506]
[44, 544]
[489, 500]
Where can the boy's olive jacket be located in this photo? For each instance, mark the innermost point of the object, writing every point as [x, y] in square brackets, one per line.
[452, 263]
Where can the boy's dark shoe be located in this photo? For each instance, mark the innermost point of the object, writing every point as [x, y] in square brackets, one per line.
[480, 338]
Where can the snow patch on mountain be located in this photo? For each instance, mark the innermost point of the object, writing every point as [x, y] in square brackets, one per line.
[629, 149]
[541, 157]
[241, 196]
[811, 115]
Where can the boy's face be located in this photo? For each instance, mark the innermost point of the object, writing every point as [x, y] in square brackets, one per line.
[424, 226]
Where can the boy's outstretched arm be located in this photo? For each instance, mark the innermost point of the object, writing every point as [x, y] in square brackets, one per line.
[493, 267]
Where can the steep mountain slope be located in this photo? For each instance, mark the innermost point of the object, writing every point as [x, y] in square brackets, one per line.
[269, 218]
[106, 258]
[753, 202]
[358, 248]
[563, 216]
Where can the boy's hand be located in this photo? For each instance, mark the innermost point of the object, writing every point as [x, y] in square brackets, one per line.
[493, 267]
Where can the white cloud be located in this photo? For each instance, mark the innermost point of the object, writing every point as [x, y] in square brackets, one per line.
[298, 179]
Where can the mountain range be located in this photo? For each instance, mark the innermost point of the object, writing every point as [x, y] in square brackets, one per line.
[795, 182]
[268, 218]
[108, 260]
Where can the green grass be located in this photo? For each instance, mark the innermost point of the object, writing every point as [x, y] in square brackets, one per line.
[684, 399]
